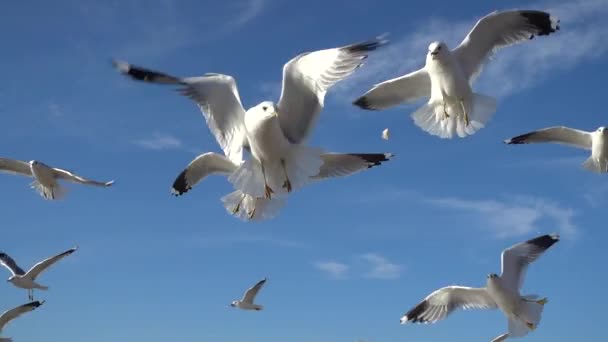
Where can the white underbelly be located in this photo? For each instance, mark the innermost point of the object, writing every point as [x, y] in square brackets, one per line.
[24, 283]
[268, 143]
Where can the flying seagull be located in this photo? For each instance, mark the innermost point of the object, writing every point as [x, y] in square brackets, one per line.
[27, 280]
[596, 141]
[501, 292]
[453, 107]
[273, 133]
[46, 177]
[11, 314]
[246, 303]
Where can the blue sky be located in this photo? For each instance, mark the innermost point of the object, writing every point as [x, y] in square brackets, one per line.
[346, 257]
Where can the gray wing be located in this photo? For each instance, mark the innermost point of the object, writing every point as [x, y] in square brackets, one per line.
[497, 30]
[515, 260]
[10, 264]
[250, 294]
[16, 167]
[439, 304]
[11, 314]
[306, 79]
[337, 164]
[44, 264]
[404, 89]
[218, 99]
[201, 167]
[74, 178]
[560, 135]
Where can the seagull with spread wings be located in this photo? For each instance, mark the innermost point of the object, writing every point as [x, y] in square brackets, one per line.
[46, 177]
[596, 141]
[501, 292]
[273, 133]
[453, 107]
[27, 280]
[13, 313]
[246, 303]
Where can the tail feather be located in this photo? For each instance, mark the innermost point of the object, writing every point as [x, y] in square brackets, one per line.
[596, 165]
[55, 192]
[527, 318]
[249, 208]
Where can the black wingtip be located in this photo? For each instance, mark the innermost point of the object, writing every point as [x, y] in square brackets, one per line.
[369, 45]
[34, 304]
[544, 241]
[180, 185]
[414, 314]
[373, 159]
[543, 21]
[520, 139]
[143, 74]
[363, 103]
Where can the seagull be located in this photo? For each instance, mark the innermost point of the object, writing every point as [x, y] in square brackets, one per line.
[501, 292]
[45, 177]
[27, 280]
[453, 107]
[273, 133]
[386, 134]
[13, 313]
[596, 141]
[246, 303]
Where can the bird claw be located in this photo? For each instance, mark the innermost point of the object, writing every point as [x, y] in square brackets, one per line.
[251, 214]
[287, 185]
[268, 191]
[531, 326]
[542, 301]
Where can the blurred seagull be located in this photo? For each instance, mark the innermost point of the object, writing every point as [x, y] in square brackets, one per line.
[274, 133]
[596, 141]
[11, 314]
[501, 292]
[246, 303]
[27, 280]
[46, 177]
[453, 107]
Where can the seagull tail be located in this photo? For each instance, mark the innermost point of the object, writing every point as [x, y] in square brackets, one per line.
[431, 118]
[249, 208]
[596, 165]
[527, 318]
[50, 193]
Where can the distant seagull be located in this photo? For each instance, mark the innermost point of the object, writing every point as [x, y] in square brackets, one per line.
[385, 134]
[11, 314]
[45, 177]
[500, 338]
[596, 141]
[246, 303]
[27, 280]
[453, 108]
[501, 292]
[274, 133]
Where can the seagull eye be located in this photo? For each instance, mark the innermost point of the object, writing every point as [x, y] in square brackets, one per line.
[264, 108]
[439, 48]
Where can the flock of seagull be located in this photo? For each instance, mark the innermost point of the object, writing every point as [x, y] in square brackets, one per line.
[265, 155]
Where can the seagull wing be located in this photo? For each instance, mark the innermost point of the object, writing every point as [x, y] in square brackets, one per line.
[201, 167]
[218, 99]
[44, 264]
[497, 30]
[11, 314]
[10, 264]
[306, 79]
[560, 135]
[250, 294]
[439, 304]
[74, 178]
[17, 167]
[337, 164]
[515, 260]
[404, 89]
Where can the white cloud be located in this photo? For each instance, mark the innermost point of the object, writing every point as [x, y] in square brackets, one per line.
[159, 142]
[516, 217]
[334, 269]
[381, 268]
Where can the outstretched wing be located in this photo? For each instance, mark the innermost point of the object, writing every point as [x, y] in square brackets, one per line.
[306, 79]
[501, 29]
[11, 314]
[250, 294]
[338, 164]
[10, 264]
[515, 260]
[201, 167]
[44, 264]
[439, 304]
[16, 167]
[404, 89]
[74, 178]
[217, 97]
[560, 135]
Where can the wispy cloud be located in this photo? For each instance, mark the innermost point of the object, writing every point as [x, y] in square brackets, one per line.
[381, 268]
[584, 37]
[334, 269]
[159, 142]
[515, 217]
[236, 239]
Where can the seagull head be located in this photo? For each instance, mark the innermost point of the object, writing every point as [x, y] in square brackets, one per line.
[603, 130]
[436, 50]
[492, 276]
[34, 162]
[266, 109]
[10, 279]
[233, 304]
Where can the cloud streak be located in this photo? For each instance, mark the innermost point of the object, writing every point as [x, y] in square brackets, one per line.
[381, 268]
[159, 142]
[333, 269]
[373, 266]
